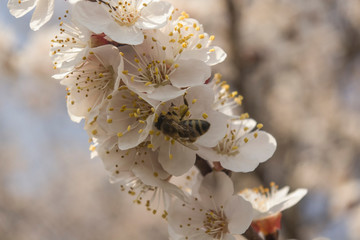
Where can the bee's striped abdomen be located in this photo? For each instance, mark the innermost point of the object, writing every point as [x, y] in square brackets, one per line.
[198, 127]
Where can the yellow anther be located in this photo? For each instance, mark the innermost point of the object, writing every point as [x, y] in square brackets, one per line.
[140, 130]
[94, 132]
[119, 134]
[109, 97]
[170, 156]
[92, 148]
[167, 138]
[150, 146]
[199, 46]
[246, 140]
[129, 128]
[201, 36]
[109, 120]
[194, 101]
[148, 83]
[205, 116]
[125, 72]
[156, 174]
[121, 53]
[234, 148]
[259, 126]
[212, 38]
[225, 87]
[255, 135]
[176, 65]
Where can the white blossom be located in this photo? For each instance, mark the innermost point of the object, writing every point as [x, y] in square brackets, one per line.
[225, 101]
[71, 46]
[241, 149]
[212, 213]
[138, 170]
[90, 83]
[124, 20]
[44, 10]
[171, 59]
[194, 42]
[201, 126]
[129, 117]
[267, 202]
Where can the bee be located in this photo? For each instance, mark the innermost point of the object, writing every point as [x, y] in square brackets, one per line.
[186, 131]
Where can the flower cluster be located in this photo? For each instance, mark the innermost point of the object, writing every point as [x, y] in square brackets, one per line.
[138, 73]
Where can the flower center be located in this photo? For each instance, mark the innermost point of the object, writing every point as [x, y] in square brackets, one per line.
[223, 97]
[91, 77]
[154, 73]
[125, 13]
[215, 224]
[261, 197]
[229, 145]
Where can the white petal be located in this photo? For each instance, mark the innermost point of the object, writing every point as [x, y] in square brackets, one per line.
[122, 34]
[216, 187]
[190, 73]
[216, 55]
[42, 14]
[108, 55]
[91, 15]
[165, 93]
[255, 151]
[19, 10]
[183, 158]
[289, 201]
[201, 54]
[216, 131]
[154, 15]
[239, 213]
[179, 214]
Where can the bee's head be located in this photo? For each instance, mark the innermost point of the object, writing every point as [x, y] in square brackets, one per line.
[159, 121]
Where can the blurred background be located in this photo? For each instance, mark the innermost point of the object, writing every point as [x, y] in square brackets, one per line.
[297, 64]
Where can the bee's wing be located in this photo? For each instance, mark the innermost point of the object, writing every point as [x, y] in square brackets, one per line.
[184, 131]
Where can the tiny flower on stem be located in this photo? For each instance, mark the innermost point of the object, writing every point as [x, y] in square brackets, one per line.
[268, 205]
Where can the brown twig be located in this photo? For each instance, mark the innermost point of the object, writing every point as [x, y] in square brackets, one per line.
[203, 166]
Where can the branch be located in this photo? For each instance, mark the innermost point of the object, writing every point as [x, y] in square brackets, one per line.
[203, 166]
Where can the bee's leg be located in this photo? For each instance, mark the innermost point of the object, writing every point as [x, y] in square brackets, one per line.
[184, 109]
